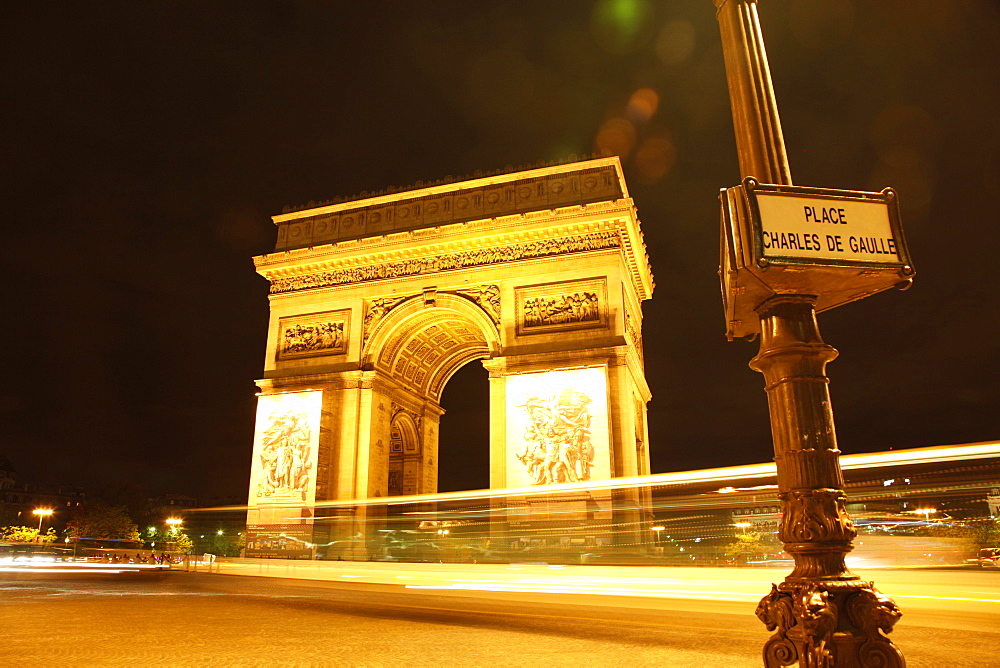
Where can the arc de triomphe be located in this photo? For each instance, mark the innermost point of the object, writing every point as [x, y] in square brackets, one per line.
[376, 302]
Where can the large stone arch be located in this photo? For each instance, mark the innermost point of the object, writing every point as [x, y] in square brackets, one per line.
[375, 303]
[411, 345]
[423, 340]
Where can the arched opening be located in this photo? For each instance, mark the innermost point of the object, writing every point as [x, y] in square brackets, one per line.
[404, 444]
[417, 348]
[464, 445]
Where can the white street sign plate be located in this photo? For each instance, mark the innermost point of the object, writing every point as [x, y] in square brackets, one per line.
[825, 228]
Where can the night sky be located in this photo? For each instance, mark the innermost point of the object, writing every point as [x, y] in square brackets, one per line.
[146, 144]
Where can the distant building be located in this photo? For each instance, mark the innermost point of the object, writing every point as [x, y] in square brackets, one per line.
[19, 499]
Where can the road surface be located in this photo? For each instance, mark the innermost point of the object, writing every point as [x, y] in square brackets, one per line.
[183, 618]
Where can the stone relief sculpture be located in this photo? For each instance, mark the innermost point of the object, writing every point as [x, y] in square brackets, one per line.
[446, 260]
[285, 455]
[377, 309]
[488, 298]
[559, 310]
[634, 330]
[312, 338]
[557, 446]
[395, 483]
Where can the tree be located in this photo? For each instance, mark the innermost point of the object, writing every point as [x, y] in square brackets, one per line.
[986, 532]
[100, 520]
[978, 533]
[26, 535]
[751, 543]
[222, 544]
[182, 543]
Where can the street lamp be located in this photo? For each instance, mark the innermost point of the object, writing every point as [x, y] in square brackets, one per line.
[744, 526]
[42, 514]
[658, 532]
[174, 523]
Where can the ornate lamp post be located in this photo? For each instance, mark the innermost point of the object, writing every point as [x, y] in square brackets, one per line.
[823, 614]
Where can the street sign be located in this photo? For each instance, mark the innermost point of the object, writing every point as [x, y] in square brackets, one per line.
[837, 245]
[792, 224]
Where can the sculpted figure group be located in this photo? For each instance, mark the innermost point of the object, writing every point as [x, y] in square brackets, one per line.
[578, 307]
[557, 446]
[311, 338]
[285, 455]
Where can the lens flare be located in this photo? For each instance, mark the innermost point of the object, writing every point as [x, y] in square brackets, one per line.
[675, 42]
[654, 159]
[621, 26]
[642, 105]
[617, 136]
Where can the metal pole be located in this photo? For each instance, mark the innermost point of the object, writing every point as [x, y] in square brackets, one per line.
[822, 614]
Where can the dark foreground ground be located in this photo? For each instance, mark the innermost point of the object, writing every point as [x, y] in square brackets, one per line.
[187, 619]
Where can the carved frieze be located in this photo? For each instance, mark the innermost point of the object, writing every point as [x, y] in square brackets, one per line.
[561, 306]
[313, 334]
[445, 261]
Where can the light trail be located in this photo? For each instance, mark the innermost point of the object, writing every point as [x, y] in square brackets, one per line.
[43, 569]
[948, 598]
[935, 454]
[618, 591]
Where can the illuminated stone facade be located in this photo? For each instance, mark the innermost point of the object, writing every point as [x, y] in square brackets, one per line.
[540, 274]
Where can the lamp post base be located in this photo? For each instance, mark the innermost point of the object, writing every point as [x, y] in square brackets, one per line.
[824, 615]
[822, 624]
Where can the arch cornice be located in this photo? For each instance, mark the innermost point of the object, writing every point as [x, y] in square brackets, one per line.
[599, 226]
